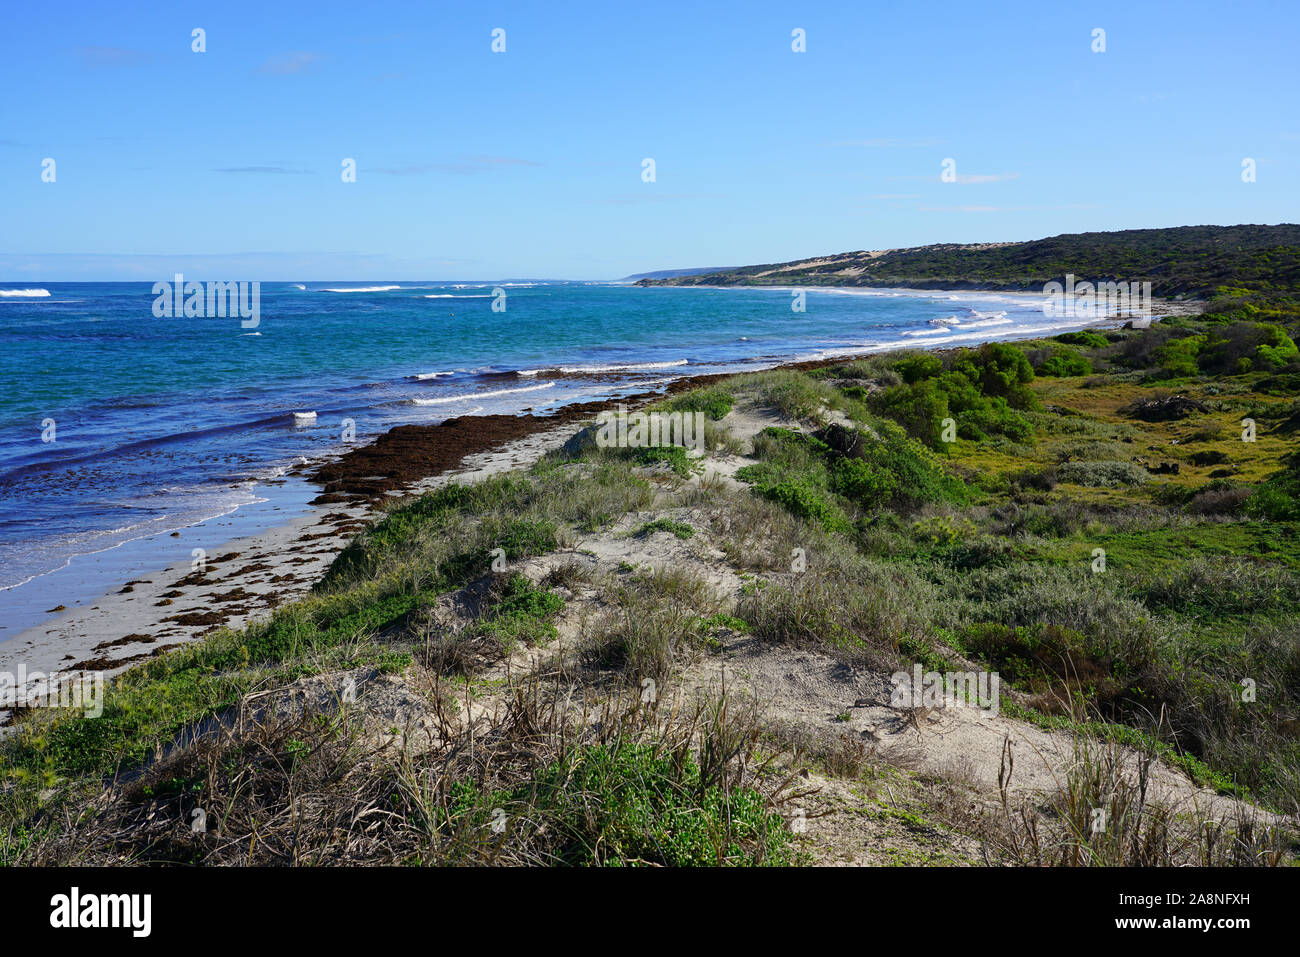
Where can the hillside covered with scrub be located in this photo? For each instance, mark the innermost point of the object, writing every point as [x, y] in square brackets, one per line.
[659, 656]
[1195, 261]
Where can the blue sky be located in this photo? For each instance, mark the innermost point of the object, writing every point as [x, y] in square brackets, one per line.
[528, 163]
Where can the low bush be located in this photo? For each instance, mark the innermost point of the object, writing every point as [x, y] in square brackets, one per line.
[1102, 474]
[1063, 363]
[1091, 340]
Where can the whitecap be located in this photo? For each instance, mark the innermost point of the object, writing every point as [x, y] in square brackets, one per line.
[630, 367]
[474, 396]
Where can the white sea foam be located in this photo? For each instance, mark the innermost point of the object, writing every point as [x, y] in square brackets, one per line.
[642, 383]
[984, 319]
[976, 332]
[976, 320]
[24, 293]
[630, 367]
[474, 396]
[304, 418]
[431, 375]
[364, 289]
[448, 295]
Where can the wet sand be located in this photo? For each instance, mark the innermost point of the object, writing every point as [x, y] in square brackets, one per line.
[247, 578]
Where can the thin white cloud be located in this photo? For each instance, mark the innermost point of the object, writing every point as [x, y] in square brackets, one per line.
[261, 169]
[650, 197]
[966, 178]
[465, 164]
[985, 177]
[1004, 209]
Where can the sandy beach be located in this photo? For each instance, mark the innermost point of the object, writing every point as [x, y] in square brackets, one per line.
[244, 581]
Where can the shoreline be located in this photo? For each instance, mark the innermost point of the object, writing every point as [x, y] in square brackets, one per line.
[246, 577]
[1159, 307]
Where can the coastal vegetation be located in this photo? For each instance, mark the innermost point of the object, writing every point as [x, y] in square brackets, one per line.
[1249, 265]
[1199, 590]
[520, 669]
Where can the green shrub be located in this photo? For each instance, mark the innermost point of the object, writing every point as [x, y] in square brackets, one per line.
[1177, 358]
[863, 482]
[978, 389]
[1278, 350]
[1278, 498]
[914, 473]
[806, 502]
[522, 599]
[872, 471]
[1064, 363]
[523, 614]
[919, 407]
[995, 418]
[1102, 474]
[1000, 369]
[920, 366]
[1242, 346]
[1091, 340]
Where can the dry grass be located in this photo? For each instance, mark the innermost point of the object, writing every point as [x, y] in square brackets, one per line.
[1103, 815]
[310, 790]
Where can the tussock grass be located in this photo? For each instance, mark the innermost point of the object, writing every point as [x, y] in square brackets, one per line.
[713, 402]
[1103, 815]
[793, 394]
[652, 627]
[517, 613]
[537, 787]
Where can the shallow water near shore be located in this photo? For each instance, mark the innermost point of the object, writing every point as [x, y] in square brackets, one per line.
[161, 425]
